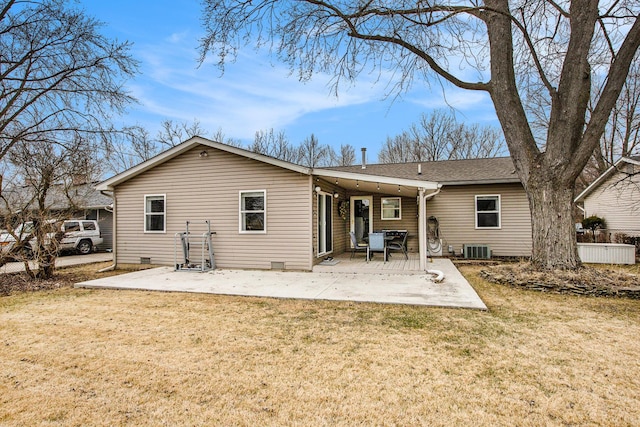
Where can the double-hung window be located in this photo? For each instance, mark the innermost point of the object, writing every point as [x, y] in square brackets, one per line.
[253, 211]
[155, 214]
[488, 211]
[391, 208]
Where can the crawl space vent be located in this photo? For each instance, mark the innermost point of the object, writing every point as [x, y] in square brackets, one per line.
[277, 265]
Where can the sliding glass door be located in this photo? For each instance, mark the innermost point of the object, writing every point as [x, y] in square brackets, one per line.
[325, 225]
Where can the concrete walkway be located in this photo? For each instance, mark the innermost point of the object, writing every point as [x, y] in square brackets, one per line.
[61, 261]
[416, 289]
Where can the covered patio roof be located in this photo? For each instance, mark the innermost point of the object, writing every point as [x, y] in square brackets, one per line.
[376, 183]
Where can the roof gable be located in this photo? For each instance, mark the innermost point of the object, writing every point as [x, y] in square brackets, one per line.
[173, 152]
[605, 175]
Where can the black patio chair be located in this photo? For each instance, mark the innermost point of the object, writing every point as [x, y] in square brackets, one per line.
[399, 246]
[357, 247]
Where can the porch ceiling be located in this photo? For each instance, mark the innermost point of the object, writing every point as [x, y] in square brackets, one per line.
[358, 186]
[376, 184]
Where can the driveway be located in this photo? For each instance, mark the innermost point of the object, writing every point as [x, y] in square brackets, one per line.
[416, 289]
[62, 261]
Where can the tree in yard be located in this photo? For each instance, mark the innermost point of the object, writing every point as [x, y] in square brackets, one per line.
[519, 52]
[133, 144]
[275, 145]
[346, 157]
[57, 73]
[42, 191]
[312, 154]
[439, 136]
[129, 147]
[621, 137]
[593, 223]
[172, 134]
[61, 81]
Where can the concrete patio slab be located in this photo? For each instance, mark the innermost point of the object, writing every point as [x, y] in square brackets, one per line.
[414, 289]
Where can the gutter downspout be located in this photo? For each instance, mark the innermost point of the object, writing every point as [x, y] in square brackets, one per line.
[113, 239]
[422, 225]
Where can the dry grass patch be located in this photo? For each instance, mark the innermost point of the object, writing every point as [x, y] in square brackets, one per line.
[104, 357]
[63, 277]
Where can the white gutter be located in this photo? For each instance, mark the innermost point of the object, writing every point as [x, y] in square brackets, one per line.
[113, 238]
[430, 195]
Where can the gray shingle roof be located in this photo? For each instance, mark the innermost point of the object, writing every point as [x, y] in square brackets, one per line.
[82, 196]
[448, 172]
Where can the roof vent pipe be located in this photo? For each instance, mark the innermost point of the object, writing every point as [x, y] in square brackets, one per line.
[419, 168]
[364, 157]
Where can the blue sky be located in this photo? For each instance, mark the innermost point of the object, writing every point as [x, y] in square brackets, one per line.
[257, 92]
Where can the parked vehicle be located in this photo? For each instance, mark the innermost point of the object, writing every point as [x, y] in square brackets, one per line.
[78, 235]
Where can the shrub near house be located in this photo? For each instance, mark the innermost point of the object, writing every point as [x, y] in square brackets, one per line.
[594, 223]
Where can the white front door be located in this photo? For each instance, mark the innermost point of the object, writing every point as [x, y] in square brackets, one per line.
[361, 216]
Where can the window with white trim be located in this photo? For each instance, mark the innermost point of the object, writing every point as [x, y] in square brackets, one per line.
[488, 211]
[155, 213]
[391, 208]
[253, 213]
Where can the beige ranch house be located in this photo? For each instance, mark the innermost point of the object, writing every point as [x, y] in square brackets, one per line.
[267, 213]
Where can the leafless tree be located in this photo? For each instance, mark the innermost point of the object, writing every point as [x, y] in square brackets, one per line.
[275, 145]
[57, 73]
[129, 147]
[516, 51]
[44, 175]
[132, 145]
[346, 157]
[219, 136]
[172, 134]
[439, 136]
[621, 137]
[312, 154]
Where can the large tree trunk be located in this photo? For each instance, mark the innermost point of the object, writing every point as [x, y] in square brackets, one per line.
[553, 231]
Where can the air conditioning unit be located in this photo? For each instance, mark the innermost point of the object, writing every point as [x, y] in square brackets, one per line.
[476, 251]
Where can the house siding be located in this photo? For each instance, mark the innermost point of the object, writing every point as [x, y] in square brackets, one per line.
[617, 200]
[207, 188]
[454, 208]
[408, 221]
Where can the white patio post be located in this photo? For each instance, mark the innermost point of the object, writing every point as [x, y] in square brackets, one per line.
[422, 229]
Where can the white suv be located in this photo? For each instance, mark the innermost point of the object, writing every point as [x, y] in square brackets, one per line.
[79, 235]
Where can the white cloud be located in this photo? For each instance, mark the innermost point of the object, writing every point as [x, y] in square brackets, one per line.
[251, 95]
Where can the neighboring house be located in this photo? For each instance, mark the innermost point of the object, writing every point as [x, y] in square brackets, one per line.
[268, 213]
[615, 196]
